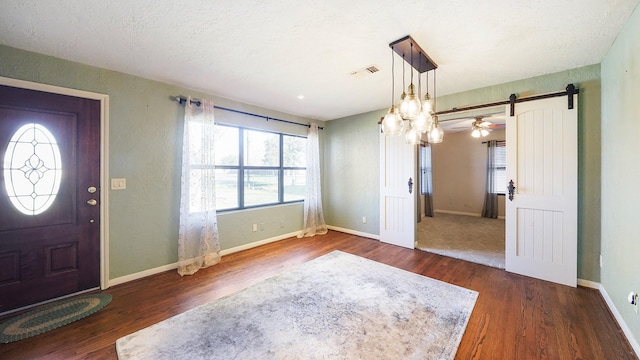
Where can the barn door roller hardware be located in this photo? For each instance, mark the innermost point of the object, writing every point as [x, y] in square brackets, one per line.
[513, 99]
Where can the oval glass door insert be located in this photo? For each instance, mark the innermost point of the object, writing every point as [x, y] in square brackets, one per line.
[32, 169]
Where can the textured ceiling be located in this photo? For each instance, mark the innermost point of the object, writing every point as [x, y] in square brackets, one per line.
[267, 53]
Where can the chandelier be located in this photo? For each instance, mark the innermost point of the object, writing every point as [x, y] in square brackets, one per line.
[412, 116]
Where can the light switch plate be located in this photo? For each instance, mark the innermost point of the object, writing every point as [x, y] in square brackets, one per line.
[118, 183]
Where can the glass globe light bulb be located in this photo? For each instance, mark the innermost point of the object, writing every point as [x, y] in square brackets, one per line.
[484, 132]
[410, 105]
[413, 136]
[475, 133]
[436, 134]
[422, 122]
[427, 108]
[392, 123]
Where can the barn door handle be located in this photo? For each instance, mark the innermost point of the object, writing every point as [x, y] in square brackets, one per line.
[512, 190]
[410, 183]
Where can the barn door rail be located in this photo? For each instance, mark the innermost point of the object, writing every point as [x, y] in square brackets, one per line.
[569, 91]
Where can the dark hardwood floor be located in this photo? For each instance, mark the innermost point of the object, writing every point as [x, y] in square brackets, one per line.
[515, 317]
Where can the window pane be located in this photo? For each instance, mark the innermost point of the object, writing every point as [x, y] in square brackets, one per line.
[260, 187]
[500, 169]
[261, 148]
[227, 148]
[226, 189]
[294, 184]
[425, 169]
[500, 181]
[294, 153]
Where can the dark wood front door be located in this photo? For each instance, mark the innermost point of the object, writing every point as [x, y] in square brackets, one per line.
[49, 180]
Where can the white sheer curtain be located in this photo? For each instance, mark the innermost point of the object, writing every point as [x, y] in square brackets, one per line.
[313, 217]
[198, 243]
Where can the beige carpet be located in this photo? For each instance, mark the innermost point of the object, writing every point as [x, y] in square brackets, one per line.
[338, 306]
[476, 239]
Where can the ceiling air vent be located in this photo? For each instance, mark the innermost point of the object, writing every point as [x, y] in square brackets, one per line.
[365, 71]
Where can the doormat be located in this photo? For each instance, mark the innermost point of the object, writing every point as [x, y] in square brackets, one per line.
[51, 317]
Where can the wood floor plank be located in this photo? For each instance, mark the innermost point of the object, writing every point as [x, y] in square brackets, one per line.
[515, 317]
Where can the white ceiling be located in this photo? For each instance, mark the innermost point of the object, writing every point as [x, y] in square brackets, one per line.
[267, 53]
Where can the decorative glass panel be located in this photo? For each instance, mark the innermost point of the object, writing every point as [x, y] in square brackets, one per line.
[32, 169]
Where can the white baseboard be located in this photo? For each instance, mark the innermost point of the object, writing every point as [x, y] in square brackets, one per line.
[354, 232]
[464, 213]
[457, 213]
[258, 243]
[589, 284]
[623, 325]
[141, 274]
[620, 320]
[159, 269]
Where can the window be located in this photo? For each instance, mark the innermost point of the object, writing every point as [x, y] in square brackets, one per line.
[32, 169]
[258, 168]
[425, 169]
[499, 168]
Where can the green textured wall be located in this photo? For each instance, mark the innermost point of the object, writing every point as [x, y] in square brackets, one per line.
[144, 125]
[621, 170]
[352, 173]
[144, 147]
[353, 182]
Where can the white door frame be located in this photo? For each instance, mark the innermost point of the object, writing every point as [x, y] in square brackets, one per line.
[104, 160]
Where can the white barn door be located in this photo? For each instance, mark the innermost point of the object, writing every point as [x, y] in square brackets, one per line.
[542, 162]
[397, 200]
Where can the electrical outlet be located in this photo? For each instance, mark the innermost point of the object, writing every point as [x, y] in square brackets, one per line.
[261, 226]
[633, 300]
[364, 219]
[255, 227]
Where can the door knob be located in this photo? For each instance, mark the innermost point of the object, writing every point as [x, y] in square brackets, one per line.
[92, 202]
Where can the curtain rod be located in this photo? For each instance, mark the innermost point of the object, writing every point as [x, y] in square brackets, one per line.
[498, 141]
[569, 91]
[183, 99]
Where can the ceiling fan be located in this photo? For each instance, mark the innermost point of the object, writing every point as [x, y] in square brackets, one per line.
[487, 123]
[480, 127]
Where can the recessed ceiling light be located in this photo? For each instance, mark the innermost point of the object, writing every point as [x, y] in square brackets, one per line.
[300, 97]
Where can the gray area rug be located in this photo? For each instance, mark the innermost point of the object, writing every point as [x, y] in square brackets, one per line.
[338, 306]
